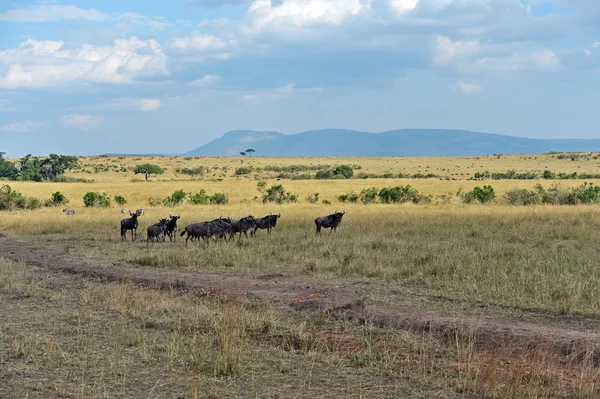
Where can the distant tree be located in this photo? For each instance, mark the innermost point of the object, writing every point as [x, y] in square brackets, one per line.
[7, 169]
[148, 169]
[250, 151]
[243, 153]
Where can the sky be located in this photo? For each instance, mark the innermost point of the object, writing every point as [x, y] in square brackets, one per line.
[93, 77]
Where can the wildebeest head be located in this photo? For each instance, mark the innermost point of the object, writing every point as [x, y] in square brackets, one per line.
[273, 219]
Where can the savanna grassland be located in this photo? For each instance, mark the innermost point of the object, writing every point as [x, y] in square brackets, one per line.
[438, 298]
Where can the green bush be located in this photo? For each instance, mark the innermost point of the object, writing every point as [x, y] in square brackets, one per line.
[401, 194]
[521, 196]
[57, 199]
[344, 170]
[349, 197]
[10, 199]
[276, 193]
[326, 202]
[198, 171]
[120, 200]
[478, 195]
[312, 198]
[201, 198]
[549, 175]
[95, 199]
[175, 199]
[243, 171]
[324, 174]
[369, 195]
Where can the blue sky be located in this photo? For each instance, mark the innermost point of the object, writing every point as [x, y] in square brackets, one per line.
[89, 77]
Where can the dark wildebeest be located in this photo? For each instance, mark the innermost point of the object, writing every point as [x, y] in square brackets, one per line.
[222, 228]
[332, 221]
[171, 228]
[156, 231]
[197, 230]
[129, 224]
[268, 222]
[243, 225]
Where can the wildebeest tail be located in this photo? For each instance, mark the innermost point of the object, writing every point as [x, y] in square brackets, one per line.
[183, 232]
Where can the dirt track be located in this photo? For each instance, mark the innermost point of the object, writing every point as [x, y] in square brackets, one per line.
[488, 332]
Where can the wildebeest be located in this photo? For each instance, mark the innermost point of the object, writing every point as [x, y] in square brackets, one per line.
[156, 231]
[129, 224]
[197, 231]
[243, 225]
[171, 227]
[68, 211]
[268, 222]
[222, 228]
[332, 221]
[123, 211]
[140, 211]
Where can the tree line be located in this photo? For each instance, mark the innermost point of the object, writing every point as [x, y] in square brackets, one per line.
[33, 168]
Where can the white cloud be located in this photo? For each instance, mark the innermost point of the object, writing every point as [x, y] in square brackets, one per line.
[288, 14]
[39, 64]
[46, 13]
[289, 90]
[149, 104]
[83, 122]
[198, 43]
[468, 88]
[403, 6]
[4, 106]
[473, 57]
[20, 127]
[206, 80]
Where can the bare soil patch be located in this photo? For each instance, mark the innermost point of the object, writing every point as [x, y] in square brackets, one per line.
[486, 332]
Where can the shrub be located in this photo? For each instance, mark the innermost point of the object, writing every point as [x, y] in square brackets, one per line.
[523, 197]
[344, 170]
[326, 202]
[148, 169]
[201, 198]
[120, 200]
[95, 199]
[312, 198]
[549, 175]
[369, 195]
[175, 199]
[324, 174]
[243, 171]
[276, 193]
[401, 194]
[220, 198]
[56, 199]
[198, 171]
[478, 195]
[10, 199]
[349, 197]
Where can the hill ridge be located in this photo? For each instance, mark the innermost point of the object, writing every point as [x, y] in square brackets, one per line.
[398, 142]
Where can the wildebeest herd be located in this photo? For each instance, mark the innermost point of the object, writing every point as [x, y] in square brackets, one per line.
[218, 229]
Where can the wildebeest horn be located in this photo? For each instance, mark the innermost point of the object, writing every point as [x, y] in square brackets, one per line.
[170, 217]
[178, 216]
[279, 215]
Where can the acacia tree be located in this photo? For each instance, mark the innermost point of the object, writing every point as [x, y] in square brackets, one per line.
[148, 169]
[250, 151]
[243, 153]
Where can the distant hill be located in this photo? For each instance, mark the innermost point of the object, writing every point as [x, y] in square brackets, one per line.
[406, 142]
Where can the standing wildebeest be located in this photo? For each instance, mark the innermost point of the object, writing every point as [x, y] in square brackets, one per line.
[268, 222]
[129, 224]
[68, 211]
[243, 225]
[171, 228]
[156, 231]
[332, 221]
[197, 230]
[222, 228]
